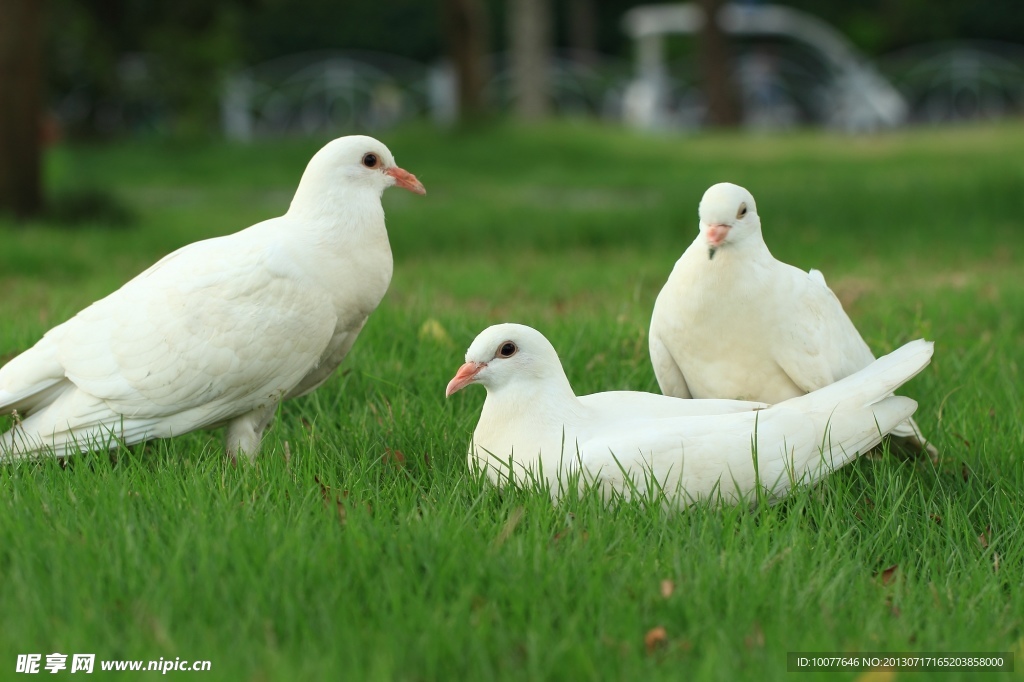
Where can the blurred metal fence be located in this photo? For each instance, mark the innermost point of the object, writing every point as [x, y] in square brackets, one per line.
[323, 91]
[959, 81]
[334, 91]
[785, 82]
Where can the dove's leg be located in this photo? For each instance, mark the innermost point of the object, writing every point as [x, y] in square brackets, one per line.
[669, 376]
[245, 432]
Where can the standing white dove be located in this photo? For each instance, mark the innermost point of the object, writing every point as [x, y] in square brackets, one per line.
[534, 427]
[220, 331]
[733, 322]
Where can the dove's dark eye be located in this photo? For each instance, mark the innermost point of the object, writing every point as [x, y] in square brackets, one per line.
[742, 212]
[507, 349]
[370, 160]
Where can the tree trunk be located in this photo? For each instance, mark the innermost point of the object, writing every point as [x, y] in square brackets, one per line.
[465, 26]
[583, 29]
[529, 25]
[716, 69]
[21, 97]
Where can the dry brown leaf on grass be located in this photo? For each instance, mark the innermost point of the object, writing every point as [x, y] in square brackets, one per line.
[656, 638]
[325, 492]
[887, 575]
[983, 538]
[667, 588]
[395, 457]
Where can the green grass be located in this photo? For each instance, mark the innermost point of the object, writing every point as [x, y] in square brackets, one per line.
[345, 560]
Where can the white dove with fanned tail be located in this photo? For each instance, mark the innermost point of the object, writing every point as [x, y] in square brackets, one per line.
[734, 322]
[534, 427]
[220, 331]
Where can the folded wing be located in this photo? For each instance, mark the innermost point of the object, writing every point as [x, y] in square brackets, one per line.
[196, 339]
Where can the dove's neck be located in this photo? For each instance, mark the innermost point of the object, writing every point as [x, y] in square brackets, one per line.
[339, 215]
[343, 227]
[551, 395]
[535, 424]
[733, 261]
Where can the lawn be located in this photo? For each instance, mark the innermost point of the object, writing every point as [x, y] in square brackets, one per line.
[359, 547]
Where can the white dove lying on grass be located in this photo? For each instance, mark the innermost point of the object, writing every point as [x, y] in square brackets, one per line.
[534, 427]
[733, 322]
[220, 331]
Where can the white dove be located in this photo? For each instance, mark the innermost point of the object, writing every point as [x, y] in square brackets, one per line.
[733, 322]
[533, 427]
[220, 331]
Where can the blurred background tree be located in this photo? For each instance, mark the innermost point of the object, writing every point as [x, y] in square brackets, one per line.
[530, 40]
[581, 29]
[147, 57]
[467, 39]
[716, 69]
[21, 106]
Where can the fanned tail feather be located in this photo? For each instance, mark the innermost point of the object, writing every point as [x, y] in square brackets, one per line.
[859, 410]
[872, 384]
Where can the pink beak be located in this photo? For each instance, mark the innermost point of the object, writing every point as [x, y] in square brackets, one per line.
[406, 180]
[464, 377]
[717, 235]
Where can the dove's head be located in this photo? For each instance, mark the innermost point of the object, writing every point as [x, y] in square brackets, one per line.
[352, 163]
[508, 355]
[728, 216]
